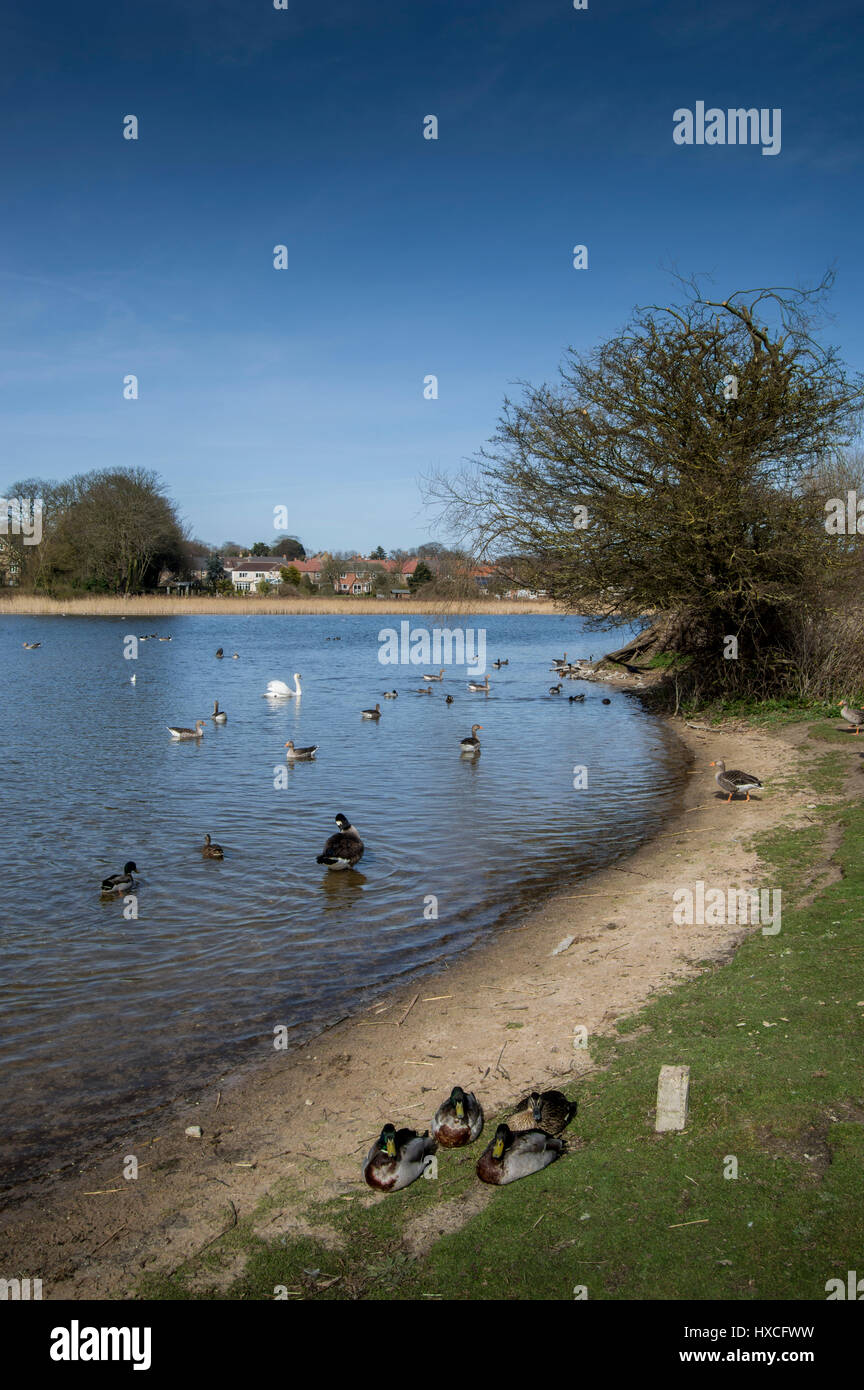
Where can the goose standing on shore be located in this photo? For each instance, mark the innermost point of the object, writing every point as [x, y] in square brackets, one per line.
[218, 716]
[439, 677]
[300, 755]
[278, 690]
[398, 1158]
[734, 781]
[344, 849]
[211, 851]
[852, 715]
[178, 733]
[559, 660]
[480, 689]
[120, 883]
[371, 713]
[471, 744]
[513, 1156]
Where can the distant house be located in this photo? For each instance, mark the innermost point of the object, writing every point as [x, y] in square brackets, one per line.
[247, 572]
[351, 583]
[311, 568]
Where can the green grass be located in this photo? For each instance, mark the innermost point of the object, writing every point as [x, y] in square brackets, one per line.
[775, 1042]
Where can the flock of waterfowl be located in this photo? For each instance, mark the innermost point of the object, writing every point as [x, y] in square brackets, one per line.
[528, 1142]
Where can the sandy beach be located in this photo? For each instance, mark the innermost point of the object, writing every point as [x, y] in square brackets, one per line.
[500, 1020]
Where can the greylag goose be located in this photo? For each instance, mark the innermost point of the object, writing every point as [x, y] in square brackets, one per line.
[197, 732]
[471, 744]
[278, 690]
[734, 781]
[852, 715]
[211, 851]
[549, 1110]
[344, 849]
[398, 1158]
[439, 677]
[218, 716]
[300, 755]
[459, 1120]
[121, 883]
[475, 685]
[371, 713]
[513, 1156]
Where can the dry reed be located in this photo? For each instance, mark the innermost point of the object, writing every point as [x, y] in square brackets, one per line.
[156, 606]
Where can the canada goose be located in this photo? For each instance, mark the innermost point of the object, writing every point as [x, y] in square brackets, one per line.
[475, 685]
[344, 849]
[439, 677]
[734, 781]
[371, 713]
[278, 690]
[121, 883]
[211, 851]
[556, 689]
[471, 744]
[298, 755]
[513, 1156]
[576, 699]
[852, 716]
[398, 1158]
[448, 699]
[391, 694]
[548, 1110]
[218, 716]
[459, 1120]
[220, 653]
[197, 732]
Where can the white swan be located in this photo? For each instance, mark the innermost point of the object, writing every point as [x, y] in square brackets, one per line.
[278, 690]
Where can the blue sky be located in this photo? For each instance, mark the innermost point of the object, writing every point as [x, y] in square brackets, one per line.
[304, 387]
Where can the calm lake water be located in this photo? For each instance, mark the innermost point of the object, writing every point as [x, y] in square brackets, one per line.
[101, 1017]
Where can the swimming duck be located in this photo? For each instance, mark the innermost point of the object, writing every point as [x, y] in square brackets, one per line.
[133, 679]
[220, 653]
[218, 716]
[344, 849]
[424, 690]
[121, 883]
[605, 701]
[471, 744]
[556, 689]
[211, 851]
[371, 713]
[31, 646]
[852, 716]
[391, 694]
[448, 699]
[235, 656]
[398, 1158]
[299, 755]
[575, 699]
[513, 1156]
[165, 639]
[439, 677]
[547, 1110]
[475, 685]
[459, 1120]
[734, 781]
[278, 690]
[498, 664]
[197, 732]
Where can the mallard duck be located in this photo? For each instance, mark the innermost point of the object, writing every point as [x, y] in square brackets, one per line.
[197, 732]
[605, 701]
[556, 689]
[498, 664]
[31, 646]
[397, 1158]
[211, 851]
[371, 713]
[165, 639]
[439, 677]
[513, 1156]
[299, 755]
[471, 744]
[575, 699]
[475, 685]
[218, 716]
[448, 699]
[547, 1110]
[734, 781]
[220, 653]
[459, 1120]
[344, 849]
[424, 690]
[391, 694]
[852, 715]
[278, 690]
[121, 883]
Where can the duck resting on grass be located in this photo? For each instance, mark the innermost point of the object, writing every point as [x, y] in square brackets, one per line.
[513, 1156]
[211, 851]
[547, 1110]
[179, 733]
[300, 755]
[120, 883]
[852, 715]
[471, 744]
[459, 1120]
[397, 1158]
[734, 781]
[344, 849]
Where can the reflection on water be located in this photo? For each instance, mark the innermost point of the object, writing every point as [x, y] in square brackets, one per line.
[100, 1015]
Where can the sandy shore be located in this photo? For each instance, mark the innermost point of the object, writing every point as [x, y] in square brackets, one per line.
[500, 1020]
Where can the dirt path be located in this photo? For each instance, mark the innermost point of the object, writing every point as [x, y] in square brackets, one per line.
[500, 1021]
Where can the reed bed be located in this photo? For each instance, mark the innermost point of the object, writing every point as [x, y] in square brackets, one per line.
[158, 606]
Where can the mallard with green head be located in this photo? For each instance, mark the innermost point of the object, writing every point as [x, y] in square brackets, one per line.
[459, 1120]
[549, 1110]
[397, 1158]
[513, 1156]
[120, 883]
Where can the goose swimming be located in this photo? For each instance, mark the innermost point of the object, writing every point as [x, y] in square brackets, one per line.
[471, 744]
[121, 883]
[197, 732]
[475, 685]
[298, 755]
[371, 713]
[439, 677]
[513, 1156]
[218, 716]
[734, 781]
[211, 851]
[398, 1158]
[278, 690]
[344, 849]
[852, 716]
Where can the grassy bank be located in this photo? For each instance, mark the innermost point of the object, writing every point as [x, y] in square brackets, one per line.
[773, 1038]
[156, 606]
